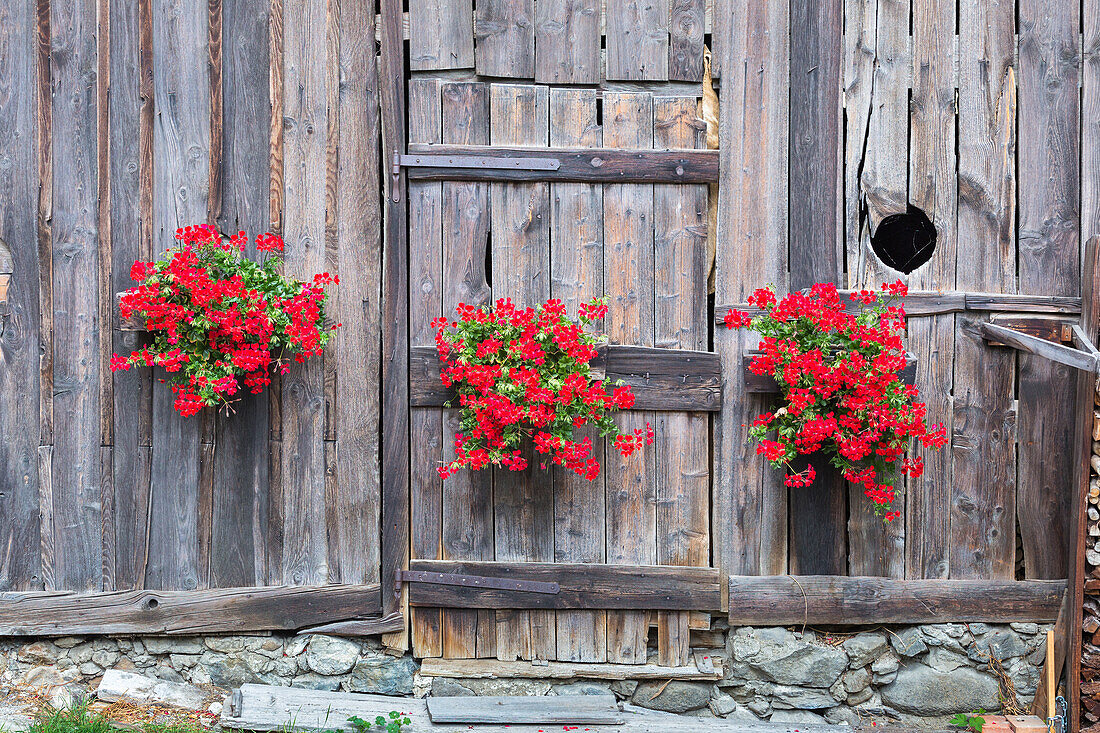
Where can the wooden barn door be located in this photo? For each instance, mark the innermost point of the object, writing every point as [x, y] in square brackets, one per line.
[544, 564]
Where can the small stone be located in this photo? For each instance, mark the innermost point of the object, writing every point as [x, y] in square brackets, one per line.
[313, 681]
[447, 687]
[885, 664]
[860, 697]
[169, 675]
[760, 706]
[81, 654]
[856, 680]
[231, 673]
[908, 642]
[271, 645]
[90, 669]
[162, 645]
[723, 705]
[793, 662]
[183, 661]
[40, 652]
[886, 678]
[200, 676]
[797, 716]
[623, 689]
[225, 644]
[329, 655]
[67, 697]
[215, 708]
[383, 675]
[1025, 627]
[39, 677]
[131, 687]
[977, 629]
[678, 696]
[841, 715]
[296, 646]
[67, 642]
[583, 687]
[1001, 644]
[945, 660]
[105, 658]
[801, 698]
[125, 664]
[863, 648]
[922, 690]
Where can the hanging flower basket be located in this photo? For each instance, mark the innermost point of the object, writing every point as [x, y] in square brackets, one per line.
[842, 392]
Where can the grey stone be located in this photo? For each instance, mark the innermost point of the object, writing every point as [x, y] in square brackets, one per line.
[225, 644]
[90, 669]
[678, 696]
[977, 629]
[919, 689]
[945, 660]
[506, 687]
[118, 685]
[801, 698]
[231, 673]
[759, 705]
[908, 642]
[793, 662]
[296, 646]
[885, 678]
[1001, 644]
[841, 715]
[161, 645]
[105, 657]
[583, 687]
[885, 664]
[860, 697]
[331, 655]
[67, 642]
[169, 674]
[797, 716]
[383, 675]
[1025, 627]
[40, 652]
[81, 654]
[865, 647]
[856, 680]
[67, 696]
[723, 705]
[39, 677]
[447, 687]
[623, 689]
[312, 681]
[183, 661]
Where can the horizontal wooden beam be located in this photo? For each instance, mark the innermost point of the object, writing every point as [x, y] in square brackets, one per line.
[662, 379]
[1071, 357]
[190, 612]
[586, 165]
[766, 384]
[930, 303]
[369, 626]
[582, 586]
[472, 669]
[777, 600]
[1054, 328]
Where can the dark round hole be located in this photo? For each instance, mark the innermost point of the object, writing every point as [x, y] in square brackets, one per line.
[151, 603]
[906, 241]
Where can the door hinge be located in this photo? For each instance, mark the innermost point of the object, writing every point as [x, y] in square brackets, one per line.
[492, 162]
[473, 581]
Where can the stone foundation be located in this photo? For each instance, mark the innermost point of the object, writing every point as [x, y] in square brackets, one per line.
[918, 675]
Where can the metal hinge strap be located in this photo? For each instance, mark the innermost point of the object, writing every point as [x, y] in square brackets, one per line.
[474, 581]
[429, 160]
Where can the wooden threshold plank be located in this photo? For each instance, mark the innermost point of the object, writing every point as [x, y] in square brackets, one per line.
[493, 669]
[49, 613]
[582, 586]
[827, 599]
[570, 709]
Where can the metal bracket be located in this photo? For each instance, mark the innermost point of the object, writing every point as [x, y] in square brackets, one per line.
[473, 581]
[430, 160]
[395, 189]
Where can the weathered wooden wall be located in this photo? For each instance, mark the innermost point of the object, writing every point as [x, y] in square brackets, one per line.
[119, 122]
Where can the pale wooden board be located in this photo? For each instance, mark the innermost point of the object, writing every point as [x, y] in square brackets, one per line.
[685, 47]
[523, 501]
[505, 38]
[628, 277]
[567, 41]
[577, 276]
[749, 501]
[467, 496]
[425, 303]
[682, 462]
[19, 305]
[490, 669]
[637, 39]
[571, 709]
[441, 34]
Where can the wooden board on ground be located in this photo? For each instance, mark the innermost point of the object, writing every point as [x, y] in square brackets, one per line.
[565, 709]
[492, 669]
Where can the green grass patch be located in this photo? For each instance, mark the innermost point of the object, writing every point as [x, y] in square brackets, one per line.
[81, 720]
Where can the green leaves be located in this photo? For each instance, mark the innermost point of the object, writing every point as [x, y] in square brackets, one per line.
[974, 721]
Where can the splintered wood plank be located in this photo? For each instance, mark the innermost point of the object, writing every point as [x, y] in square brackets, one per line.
[240, 471]
[305, 549]
[359, 261]
[817, 512]
[577, 276]
[1049, 262]
[749, 500]
[876, 84]
[441, 34]
[505, 32]
[567, 41]
[20, 270]
[932, 188]
[467, 496]
[628, 277]
[425, 303]
[523, 500]
[181, 139]
[637, 40]
[685, 49]
[682, 461]
[978, 540]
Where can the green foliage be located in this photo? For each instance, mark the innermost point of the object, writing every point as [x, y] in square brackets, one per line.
[974, 721]
[79, 719]
[395, 724]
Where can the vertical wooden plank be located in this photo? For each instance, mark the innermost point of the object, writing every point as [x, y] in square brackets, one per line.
[240, 481]
[441, 34]
[131, 187]
[817, 512]
[360, 256]
[979, 540]
[916, 544]
[467, 496]
[628, 277]
[685, 48]
[395, 323]
[425, 303]
[523, 501]
[1090, 122]
[1049, 262]
[682, 462]
[749, 498]
[305, 553]
[505, 34]
[577, 276]
[567, 41]
[636, 37]
[19, 306]
[76, 490]
[105, 306]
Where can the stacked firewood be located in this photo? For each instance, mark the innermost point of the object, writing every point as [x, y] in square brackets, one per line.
[1090, 656]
